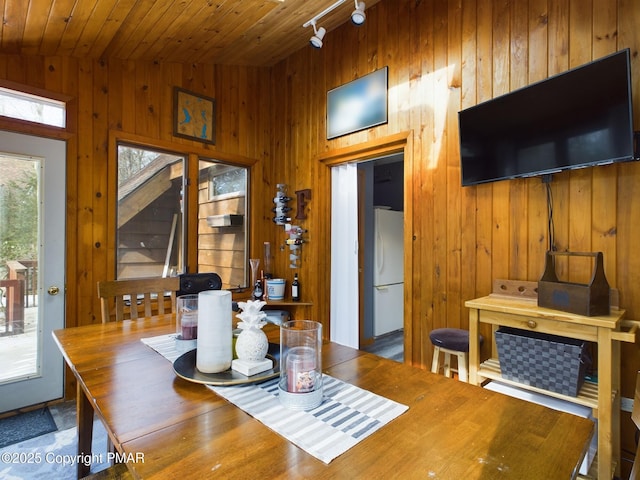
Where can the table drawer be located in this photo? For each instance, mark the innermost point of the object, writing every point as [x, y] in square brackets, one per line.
[543, 325]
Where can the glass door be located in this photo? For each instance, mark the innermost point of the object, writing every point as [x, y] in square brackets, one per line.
[32, 253]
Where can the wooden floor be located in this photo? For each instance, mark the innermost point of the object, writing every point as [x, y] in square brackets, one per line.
[390, 345]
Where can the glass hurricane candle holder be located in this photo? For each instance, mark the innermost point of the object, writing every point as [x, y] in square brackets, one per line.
[300, 386]
[187, 317]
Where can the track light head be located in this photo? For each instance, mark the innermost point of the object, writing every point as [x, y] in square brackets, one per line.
[318, 35]
[358, 16]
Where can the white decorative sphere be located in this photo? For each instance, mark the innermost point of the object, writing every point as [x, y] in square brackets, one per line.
[252, 344]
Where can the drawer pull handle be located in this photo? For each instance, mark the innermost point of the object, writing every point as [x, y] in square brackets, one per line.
[532, 324]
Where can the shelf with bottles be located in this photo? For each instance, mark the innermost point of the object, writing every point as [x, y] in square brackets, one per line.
[286, 301]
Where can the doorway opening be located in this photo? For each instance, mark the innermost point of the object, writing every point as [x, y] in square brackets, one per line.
[347, 318]
[381, 233]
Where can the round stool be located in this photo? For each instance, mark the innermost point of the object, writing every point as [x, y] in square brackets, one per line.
[451, 341]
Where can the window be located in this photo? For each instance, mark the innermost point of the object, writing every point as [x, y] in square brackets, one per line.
[153, 213]
[33, 108]
[222, 225]
[226, 180]
[150, 221]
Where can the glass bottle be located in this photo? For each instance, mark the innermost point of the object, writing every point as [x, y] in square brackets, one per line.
[295, 288]
[258, 291]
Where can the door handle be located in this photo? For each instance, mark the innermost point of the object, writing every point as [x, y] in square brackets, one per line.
[53, 290]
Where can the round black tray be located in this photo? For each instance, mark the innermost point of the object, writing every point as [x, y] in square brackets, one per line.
[185, 367]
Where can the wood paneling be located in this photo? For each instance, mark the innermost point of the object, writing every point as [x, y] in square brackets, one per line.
[232, 32]
[132, 101]
[442, 56]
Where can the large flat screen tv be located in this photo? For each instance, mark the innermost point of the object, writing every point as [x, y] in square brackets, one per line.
[579, 118]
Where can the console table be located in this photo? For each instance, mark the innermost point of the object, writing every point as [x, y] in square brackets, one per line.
[606, 331]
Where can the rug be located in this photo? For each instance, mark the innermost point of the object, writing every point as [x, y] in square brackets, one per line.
[52, 456]
[25, 426]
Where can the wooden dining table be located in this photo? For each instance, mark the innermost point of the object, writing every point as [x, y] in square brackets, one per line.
[165, 426]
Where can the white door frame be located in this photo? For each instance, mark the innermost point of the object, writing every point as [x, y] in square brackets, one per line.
[48, 383]
[400, 142]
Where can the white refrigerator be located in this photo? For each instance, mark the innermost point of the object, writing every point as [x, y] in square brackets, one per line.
[388, 272]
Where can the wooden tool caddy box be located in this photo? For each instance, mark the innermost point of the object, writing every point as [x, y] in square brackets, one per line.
[589, 300]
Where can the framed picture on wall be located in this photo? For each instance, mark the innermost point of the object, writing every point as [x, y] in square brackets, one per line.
[194, 116]
[357, 105]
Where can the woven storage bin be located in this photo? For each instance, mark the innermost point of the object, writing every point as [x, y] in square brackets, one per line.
[550, 362]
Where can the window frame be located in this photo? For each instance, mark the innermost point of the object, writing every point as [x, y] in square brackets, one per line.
[230, 229]
[194, 153]
[49, 131]
[184, 200]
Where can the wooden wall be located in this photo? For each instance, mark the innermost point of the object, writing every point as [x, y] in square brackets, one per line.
[134, 101]
[442, 56]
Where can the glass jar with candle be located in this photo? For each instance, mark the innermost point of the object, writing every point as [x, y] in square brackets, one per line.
[187, 317]
[300, 386]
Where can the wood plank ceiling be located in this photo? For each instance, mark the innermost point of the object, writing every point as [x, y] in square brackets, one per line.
[231, 32]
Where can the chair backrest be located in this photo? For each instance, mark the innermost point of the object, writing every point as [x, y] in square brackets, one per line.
[137, 297]
[635, 416]
[192, 283]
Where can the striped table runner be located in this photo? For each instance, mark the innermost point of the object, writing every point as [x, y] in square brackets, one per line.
[167, 345]
[347, 414]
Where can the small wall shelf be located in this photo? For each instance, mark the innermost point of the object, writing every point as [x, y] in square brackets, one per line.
[285, 302]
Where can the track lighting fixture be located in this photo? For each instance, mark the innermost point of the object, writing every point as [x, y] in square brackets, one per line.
[316, 39]
[358, 16]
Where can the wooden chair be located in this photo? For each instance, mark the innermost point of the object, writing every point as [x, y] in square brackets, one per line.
[131, 299]
[139, 297]
[635, 416]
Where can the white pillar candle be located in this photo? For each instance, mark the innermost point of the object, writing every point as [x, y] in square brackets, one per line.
[214, 353]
